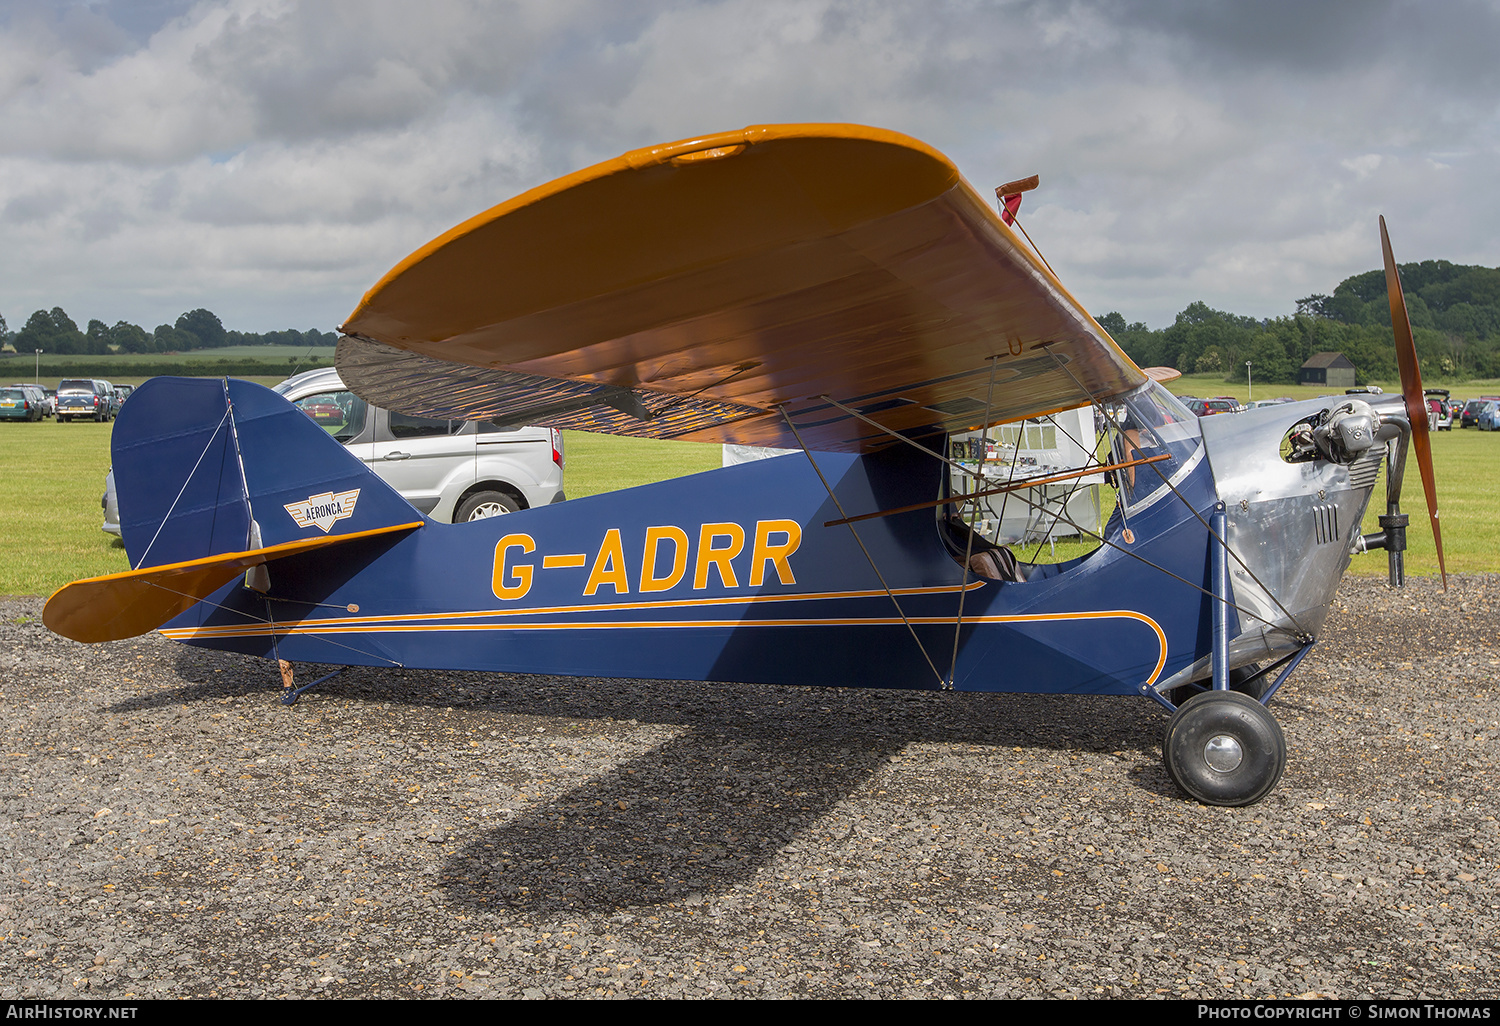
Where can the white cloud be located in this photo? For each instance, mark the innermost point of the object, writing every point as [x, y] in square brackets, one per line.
[269, 159]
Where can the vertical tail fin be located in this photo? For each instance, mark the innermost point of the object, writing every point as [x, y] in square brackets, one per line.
[208, 466]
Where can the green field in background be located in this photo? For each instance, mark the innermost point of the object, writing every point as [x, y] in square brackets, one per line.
[51, 481]
[52, 478]
[1205, 386]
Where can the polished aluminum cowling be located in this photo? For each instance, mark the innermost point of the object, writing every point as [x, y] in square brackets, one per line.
[1291, 529]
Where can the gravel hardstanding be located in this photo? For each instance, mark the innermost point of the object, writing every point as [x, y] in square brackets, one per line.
[171, 829]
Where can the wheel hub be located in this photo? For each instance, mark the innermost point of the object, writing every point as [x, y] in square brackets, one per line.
[1223, 753]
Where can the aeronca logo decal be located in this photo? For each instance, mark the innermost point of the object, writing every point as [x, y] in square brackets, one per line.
[323, 511]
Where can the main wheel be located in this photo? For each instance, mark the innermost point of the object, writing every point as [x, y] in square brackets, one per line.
[482, 505]
[1224, 748]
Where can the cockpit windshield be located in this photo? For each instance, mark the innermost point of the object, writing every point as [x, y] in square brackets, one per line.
[1151, 422]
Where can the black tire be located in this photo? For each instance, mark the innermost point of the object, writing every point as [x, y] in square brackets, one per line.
[482, 505]
[1224, 748]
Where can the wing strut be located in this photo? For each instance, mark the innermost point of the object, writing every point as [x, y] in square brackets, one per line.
[871, 559]
[984, 449]
[968, 546]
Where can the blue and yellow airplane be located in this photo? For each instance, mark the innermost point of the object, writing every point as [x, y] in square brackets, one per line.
[831, 288]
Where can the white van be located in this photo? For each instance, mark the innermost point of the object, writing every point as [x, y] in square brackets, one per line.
[451, 470]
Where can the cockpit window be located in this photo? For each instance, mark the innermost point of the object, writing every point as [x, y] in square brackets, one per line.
[1037, 530]
[1151, 422]
[1006, 528]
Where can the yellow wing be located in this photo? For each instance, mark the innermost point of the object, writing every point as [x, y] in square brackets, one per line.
[693, 290]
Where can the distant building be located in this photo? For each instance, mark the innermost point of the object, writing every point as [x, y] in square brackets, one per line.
[1331, 369]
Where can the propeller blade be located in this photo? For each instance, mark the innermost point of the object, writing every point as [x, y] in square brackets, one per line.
[1411, 391]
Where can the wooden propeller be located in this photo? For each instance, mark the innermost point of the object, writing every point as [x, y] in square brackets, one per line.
[1411, 391]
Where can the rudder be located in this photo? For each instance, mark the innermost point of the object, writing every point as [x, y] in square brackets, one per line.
[197, 461]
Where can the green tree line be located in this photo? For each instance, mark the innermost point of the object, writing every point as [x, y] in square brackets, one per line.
[1454, 311]
[54, 332]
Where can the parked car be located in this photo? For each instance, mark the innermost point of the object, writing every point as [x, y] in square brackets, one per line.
[36, 396]
[48, 401]
[451, 470]
[80, 398]
[1210, 407]
[1470, 415]
[1488, 418]
[18, 404]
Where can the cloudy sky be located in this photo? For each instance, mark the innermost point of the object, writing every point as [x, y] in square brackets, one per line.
[270, 159]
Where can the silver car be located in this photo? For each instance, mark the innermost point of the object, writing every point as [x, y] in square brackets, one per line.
[451, 470]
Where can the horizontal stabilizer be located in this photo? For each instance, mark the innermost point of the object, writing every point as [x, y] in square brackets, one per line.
[129, 604]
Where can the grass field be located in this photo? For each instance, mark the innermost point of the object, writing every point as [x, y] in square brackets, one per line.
[52, 477]
[603, 463]
[1206, 385]
[1467, 467]
[51, 481]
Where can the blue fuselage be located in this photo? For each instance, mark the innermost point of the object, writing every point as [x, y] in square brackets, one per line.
[732, 575]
